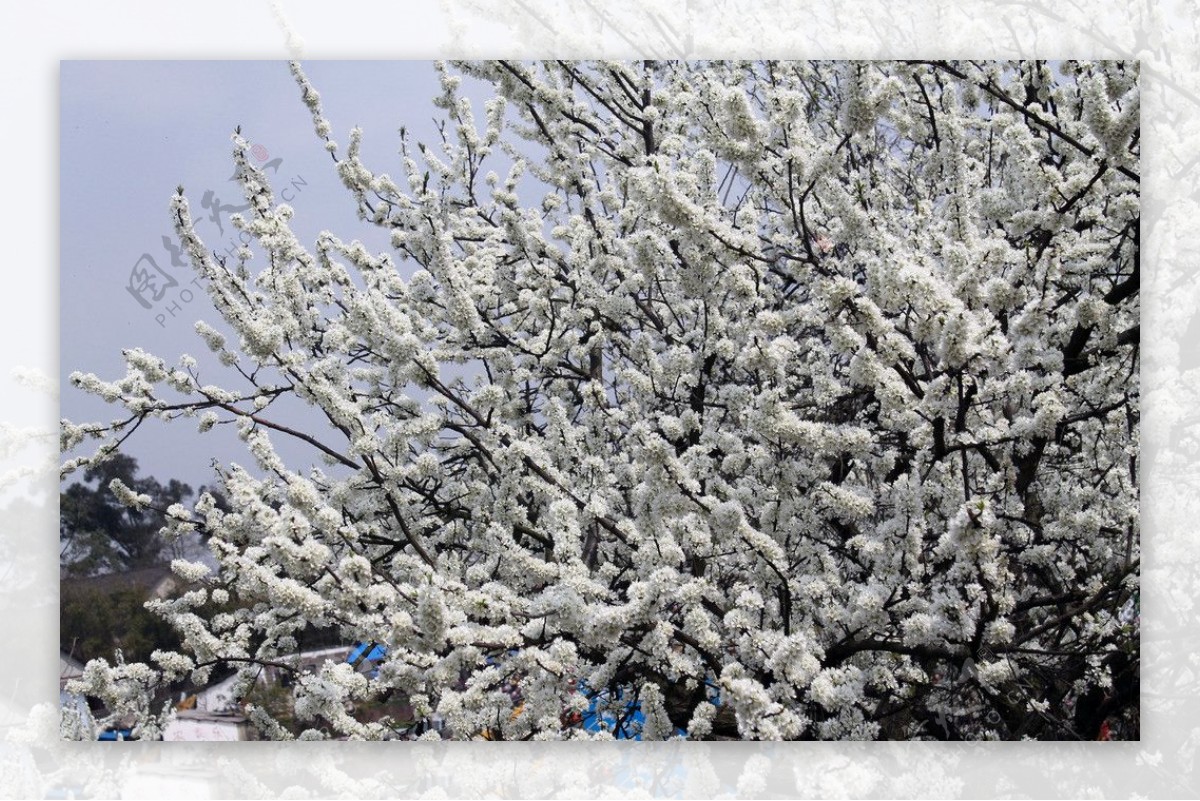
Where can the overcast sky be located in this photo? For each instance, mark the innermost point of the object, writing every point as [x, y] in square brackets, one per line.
[133, 131]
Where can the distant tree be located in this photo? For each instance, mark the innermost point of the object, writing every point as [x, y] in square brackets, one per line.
[97, 620]
[98, 534]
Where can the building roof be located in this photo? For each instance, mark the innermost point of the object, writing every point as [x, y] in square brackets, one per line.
[68, 668]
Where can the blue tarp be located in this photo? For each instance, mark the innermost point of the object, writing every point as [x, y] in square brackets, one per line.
[366, 650]
[624, 720]
[115, 735]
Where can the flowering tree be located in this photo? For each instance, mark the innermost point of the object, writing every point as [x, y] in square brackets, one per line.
[762, 400]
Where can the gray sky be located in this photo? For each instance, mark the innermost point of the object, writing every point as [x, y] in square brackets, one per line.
[130, 133]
